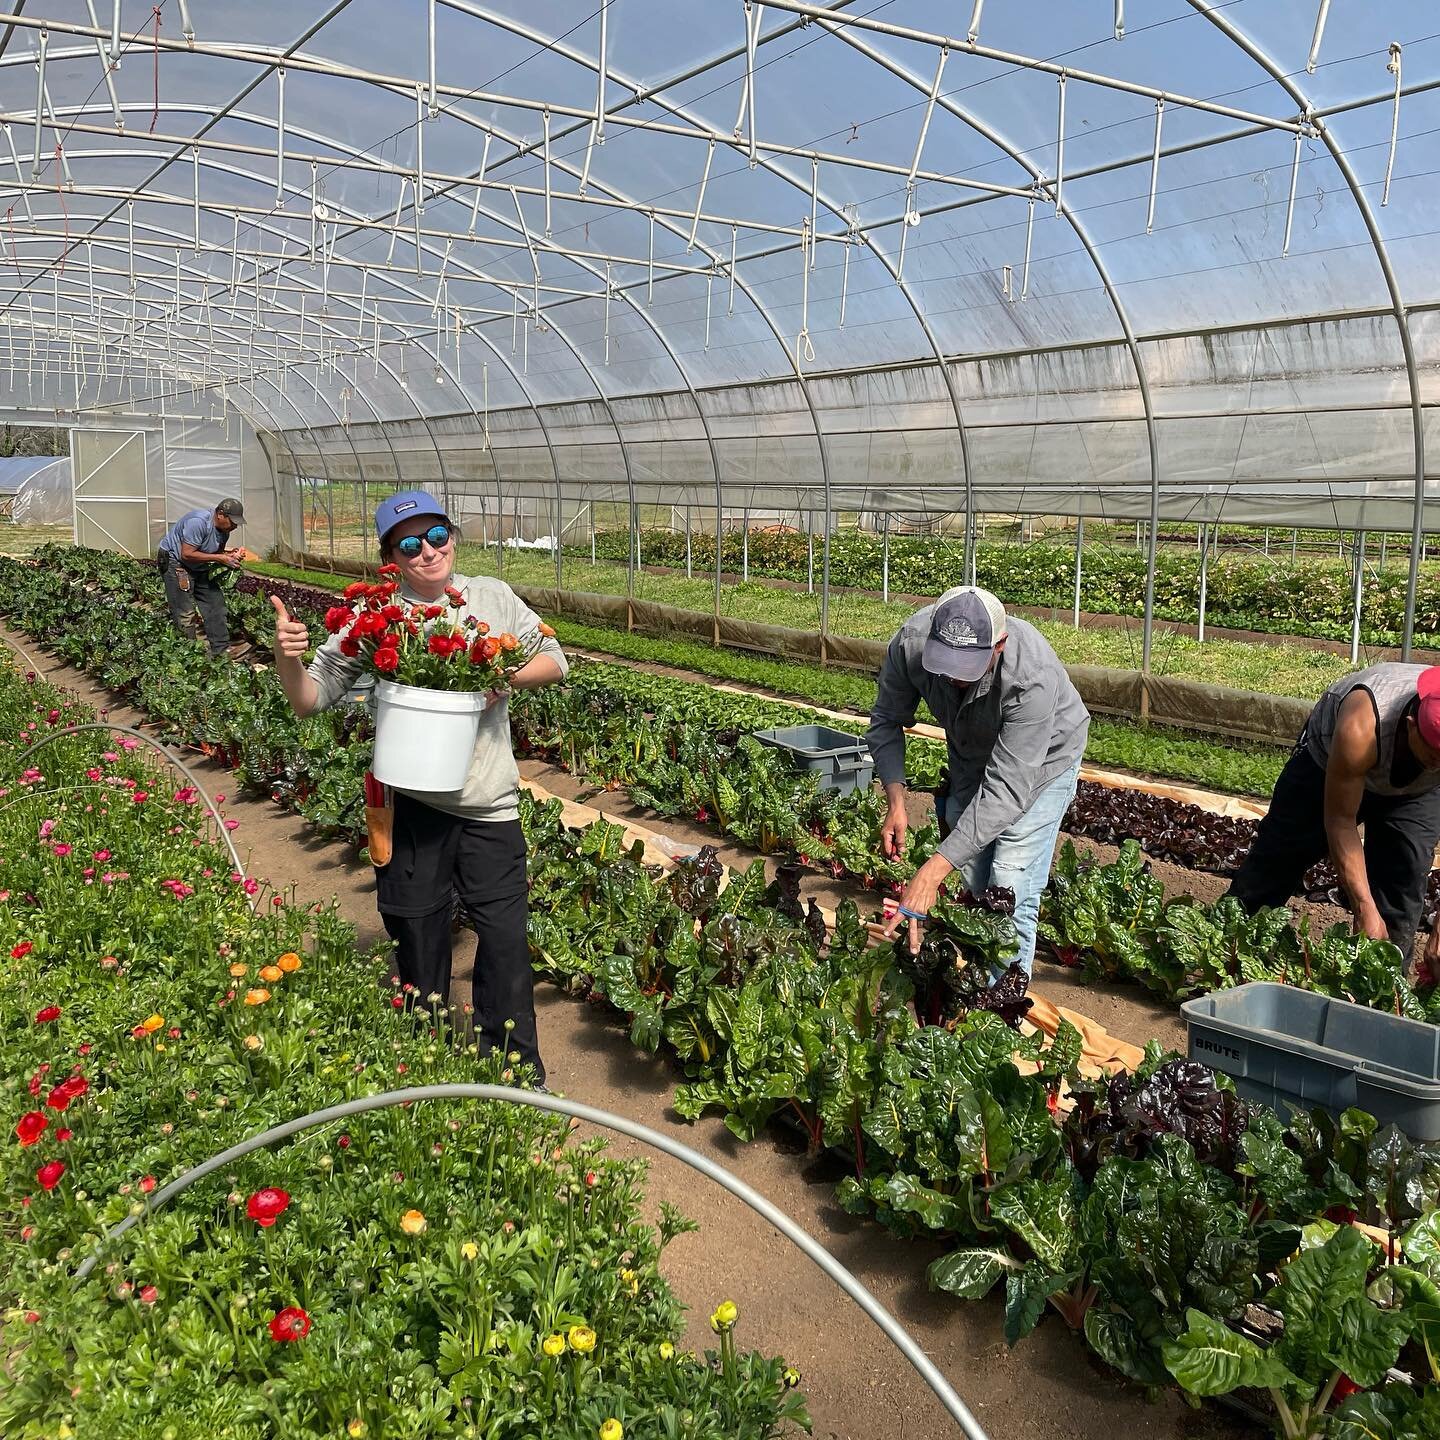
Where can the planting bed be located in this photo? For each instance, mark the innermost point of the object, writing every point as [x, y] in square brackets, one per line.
[1222, 1183]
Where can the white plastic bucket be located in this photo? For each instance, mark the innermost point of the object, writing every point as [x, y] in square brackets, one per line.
[424, 739]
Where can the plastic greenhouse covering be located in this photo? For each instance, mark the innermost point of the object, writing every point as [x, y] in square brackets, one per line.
[1172, 261]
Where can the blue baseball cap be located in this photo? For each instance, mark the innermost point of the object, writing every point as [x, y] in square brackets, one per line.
[966, 625]
[405, 506]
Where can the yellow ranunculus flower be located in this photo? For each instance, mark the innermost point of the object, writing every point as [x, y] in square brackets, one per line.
[257, 997]
[237, 970]
[667, 1350]
[413, 1222]
[724, 1317]
[355, 1427]
[582, 1339]
[553, 1345]
[612, 1429]
[289, 961]
[469, 1250]
[152, 1024]
[271, 973]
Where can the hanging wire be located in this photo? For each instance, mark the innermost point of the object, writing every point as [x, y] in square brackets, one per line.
[1321, 16]
[1394, 67]
[155, 113]
[1029, 239]
[1155, 165]
[973, 30]
[734, 233]
[1294, 182]
[700, 197]
[1060, 145]
[39, 100]
[752, 37]
[804, 350]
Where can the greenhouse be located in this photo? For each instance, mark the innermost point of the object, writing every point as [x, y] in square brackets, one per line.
[720, 719]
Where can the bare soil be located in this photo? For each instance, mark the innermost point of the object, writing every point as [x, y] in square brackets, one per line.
[858, 1384]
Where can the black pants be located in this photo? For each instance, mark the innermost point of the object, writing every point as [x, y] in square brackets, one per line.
[203, 595]
[435, 854]
[1400, 837]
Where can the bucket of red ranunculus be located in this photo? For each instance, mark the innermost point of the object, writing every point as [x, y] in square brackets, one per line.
[436, 670]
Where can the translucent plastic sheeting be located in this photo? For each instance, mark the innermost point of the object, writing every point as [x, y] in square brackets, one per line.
[41, 488]
[794, 255]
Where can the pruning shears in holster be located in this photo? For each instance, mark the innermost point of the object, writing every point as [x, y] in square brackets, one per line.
[379, 821]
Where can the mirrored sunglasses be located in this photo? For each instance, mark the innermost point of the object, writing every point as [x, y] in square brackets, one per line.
[436, 536]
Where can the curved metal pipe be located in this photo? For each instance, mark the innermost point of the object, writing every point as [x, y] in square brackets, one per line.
[555, 1104]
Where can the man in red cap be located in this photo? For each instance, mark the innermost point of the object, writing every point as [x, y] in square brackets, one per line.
[1369, 755]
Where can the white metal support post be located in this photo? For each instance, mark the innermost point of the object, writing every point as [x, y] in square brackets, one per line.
[1357, 598]
[1204, 578]
[1079, 550]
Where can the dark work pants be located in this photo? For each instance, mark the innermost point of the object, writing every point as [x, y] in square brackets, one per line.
[203, 595]
[1400, 837]
[484, 862]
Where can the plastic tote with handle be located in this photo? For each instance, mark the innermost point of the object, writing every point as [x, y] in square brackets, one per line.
[424, 738]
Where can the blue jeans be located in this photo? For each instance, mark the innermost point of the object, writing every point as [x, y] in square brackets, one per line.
[1020, 858]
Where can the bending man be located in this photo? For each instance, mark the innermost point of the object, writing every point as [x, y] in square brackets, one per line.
[1369, 755]
[470, 840]
[192, 546]
[1016, 729]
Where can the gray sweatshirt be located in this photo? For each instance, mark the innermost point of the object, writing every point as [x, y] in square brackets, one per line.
[490, 788]
[1009, 735]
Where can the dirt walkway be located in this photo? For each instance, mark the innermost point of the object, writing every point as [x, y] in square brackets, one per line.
[859, 1386]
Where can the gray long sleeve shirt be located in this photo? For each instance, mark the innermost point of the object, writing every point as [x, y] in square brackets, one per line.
[1009, 735]
[490, 788]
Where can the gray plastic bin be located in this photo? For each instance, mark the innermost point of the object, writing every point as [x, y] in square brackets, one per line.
[1284, 1046]
[839, 760]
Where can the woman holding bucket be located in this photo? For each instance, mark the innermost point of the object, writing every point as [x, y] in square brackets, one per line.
[468, 840]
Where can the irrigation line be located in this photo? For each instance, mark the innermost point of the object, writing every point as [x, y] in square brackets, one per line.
[175, 760]
[892, 1328]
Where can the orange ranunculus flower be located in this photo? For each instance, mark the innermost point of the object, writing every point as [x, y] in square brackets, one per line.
[548, 631]
[413, 1222]
[237, 970]
[271, 973]
[256, 997]
[289, 962]
[509, 642]
[152, 1024]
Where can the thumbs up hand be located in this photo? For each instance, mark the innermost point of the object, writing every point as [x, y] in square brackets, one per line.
[292, 639]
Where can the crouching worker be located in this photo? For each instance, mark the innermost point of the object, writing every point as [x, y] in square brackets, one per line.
[469, 840]
[1369, 755]
[1015, 729]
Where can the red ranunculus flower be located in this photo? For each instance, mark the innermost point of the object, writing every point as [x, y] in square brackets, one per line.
[438, 645]
[60, 1097]
[350, 646]
[63, 1134]
[32, 1125]
[266, 1206]
[391, 613]
[368, 622]
[355, 589]
[149, 1294]
[337, 617]
[292, 1323]
[22, 950]
[49, 1175]
[387, 660]
[390, 571]
[454, 596]
[434, 612]
[50, 1012]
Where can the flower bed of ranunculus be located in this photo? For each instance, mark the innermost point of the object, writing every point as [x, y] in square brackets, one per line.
[446, 1269]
